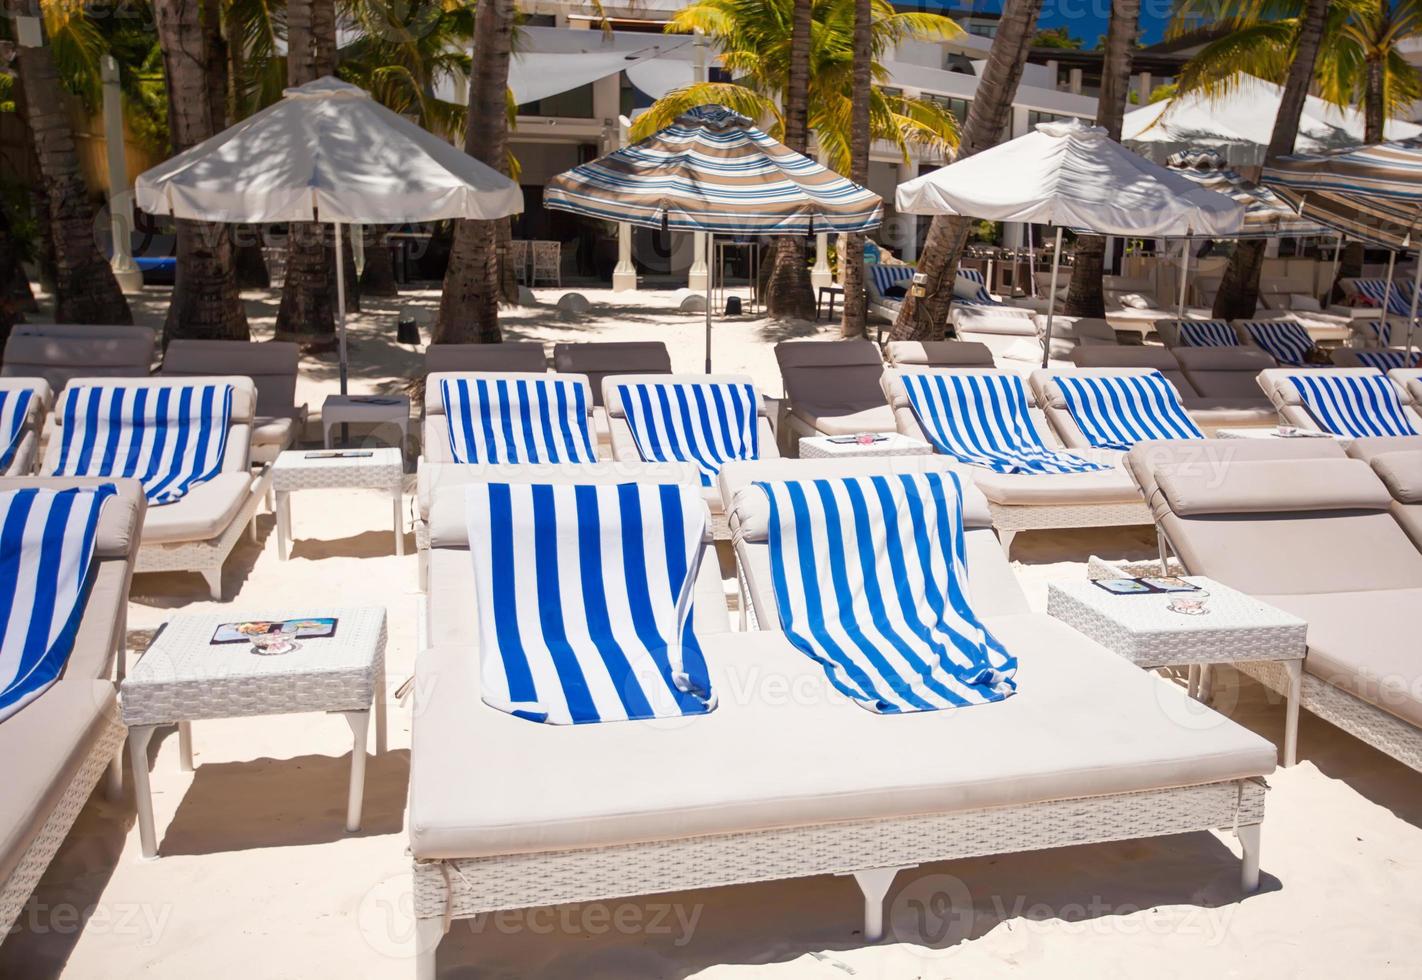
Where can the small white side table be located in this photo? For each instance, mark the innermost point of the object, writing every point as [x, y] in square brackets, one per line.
[367, 410]
[183, 677]
[893, 444]
[375, 469]
[1268, 432]
[1237, 629]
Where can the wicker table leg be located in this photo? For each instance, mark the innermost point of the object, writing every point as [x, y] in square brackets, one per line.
[138, 738]
[360, 728]
[380, 712]
[399, 532]
[185, 746]
[283, 519]
[1291, 711]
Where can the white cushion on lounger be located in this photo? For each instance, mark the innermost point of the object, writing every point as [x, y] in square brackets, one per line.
[203, 513]
[1064, 489]
[784, 749]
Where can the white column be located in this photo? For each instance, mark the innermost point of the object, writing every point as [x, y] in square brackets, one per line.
[696, 277]
[1074, 81]
[820, 274]
[624, 277]
[1145, 85]
[908, 238]
[130, 279]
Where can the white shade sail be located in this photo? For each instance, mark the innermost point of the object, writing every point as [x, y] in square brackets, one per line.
[1072, 175]
[326, 152]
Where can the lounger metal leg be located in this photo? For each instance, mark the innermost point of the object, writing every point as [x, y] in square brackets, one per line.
[428, 933]
[213, 578]
[1192, 687]
[138, 738]
[185, 746]
[360, 727]
[423, 563]
[1291, 711]
[283, 520]
[1163, 549]
[1249, 872]
[1207, 683]
[875, 884]
[399, 531]
[380, 712]
[1005, 539]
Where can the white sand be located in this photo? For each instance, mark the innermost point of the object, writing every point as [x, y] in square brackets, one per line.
[257, 877]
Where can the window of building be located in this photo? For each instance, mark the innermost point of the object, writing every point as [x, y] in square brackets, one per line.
[575, 103]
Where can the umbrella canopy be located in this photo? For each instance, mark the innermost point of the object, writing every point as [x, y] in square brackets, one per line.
[1266, 215]
[329, 152]
[1072, 175]
[1371, 193]
[713, 171]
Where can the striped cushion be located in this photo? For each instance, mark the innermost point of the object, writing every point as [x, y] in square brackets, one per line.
[1377, 332]
[982, 419]
[1116, 412]
[1388, 360]
[883, 277]
[14, 410]
[524, 420]
[171, 438]
[46, 553]
[1283, 340]
[1354, 405]
[706, 423]
[1206, 333]
[1372, 292]
[871, 583]
[975, 293]
[584, 597]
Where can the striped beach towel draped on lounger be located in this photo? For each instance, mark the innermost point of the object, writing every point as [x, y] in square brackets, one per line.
[523, 420]
[870, 581]
[14, 410]
[1283, 340]
[1373, 292]
[1206, 333]
[1356, 405]
[885, 277]
[584, 599]
[706, 423]
[983, 420]
[46, 550]
[170, 438]
[1388, 360]
[1118, 411]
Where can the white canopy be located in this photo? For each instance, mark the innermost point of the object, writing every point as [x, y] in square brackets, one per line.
[326, 152]
[1072, 175]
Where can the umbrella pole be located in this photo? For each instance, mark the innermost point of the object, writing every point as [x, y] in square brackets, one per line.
[1412, 317]
[710, 248]
[341, 305]
[1052, 298]
[1333, 276]
[1387, 291]
[1184, 279]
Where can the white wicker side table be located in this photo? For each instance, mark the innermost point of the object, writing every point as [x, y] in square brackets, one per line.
[368, 409]
[893, 444]
[1237, 629]
[1268, 432]
[383, 469]
[183, 678]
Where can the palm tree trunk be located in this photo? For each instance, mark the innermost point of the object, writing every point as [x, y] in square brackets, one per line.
[307, 309]
[205, 300]
[988, 116]
[851, 273]
[788, 293]
[1239, 289]
[469, 306]
[85, 290]
[1085, 297]
[13, 284]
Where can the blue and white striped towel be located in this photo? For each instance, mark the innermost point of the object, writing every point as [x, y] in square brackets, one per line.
[983, 420]
[1118, 411]
[706, 423]
[1206, 333]
[1354, 405]
[170, 438]
[584, 597]
[1374, 291]
[885, 277]
[1284, 340]
[1388, 360]
[871, 582]
[1377, 332]
[46, 552]
[524, 420]
[14, 410]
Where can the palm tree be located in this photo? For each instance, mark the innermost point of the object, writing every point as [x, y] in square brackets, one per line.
[205, 301]
[306, 303]
[788, 291]
[851, 273]
[85, 289]
[1085, 297]
[469, 304]
[988, 116]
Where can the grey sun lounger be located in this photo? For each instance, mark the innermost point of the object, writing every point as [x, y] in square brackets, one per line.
[60, 352]
[1397, 462]
[519, 355]
[1210, 411]
[832, 388]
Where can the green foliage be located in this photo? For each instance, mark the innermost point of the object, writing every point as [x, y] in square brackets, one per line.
[404, 51]
[1056, 37]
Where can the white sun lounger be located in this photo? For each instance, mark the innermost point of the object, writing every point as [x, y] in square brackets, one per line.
[21, 430]
[1362, 419]
[832, 388]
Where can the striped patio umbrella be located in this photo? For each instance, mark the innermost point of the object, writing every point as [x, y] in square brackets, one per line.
[1266, 215]
[714, 172]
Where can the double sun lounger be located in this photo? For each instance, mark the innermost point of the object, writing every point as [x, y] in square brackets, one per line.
[725, 779]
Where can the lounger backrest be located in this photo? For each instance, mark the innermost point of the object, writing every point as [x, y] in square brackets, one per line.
[272, 365]
[1276, 517]
[908, 424]
[59, 360]
[1400, 470]
[24, 403]
[521, 355]
[939, 353]
[1288, 400]
[239, 434]
[842, 375]
[879, 278]
[994, 589]
[1410, 380]
[122, 519]
[1287, 341]
[599, 360]
[1049, 396]
[1152, 358]
[970, 321]
[93, 331]
[1086, 331]
[1223, 372]
[624, 446]
[1196, 333]
[436, 444]
[1391, 359]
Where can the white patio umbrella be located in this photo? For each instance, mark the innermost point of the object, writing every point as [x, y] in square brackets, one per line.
[1071, 175]
[326, 152]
